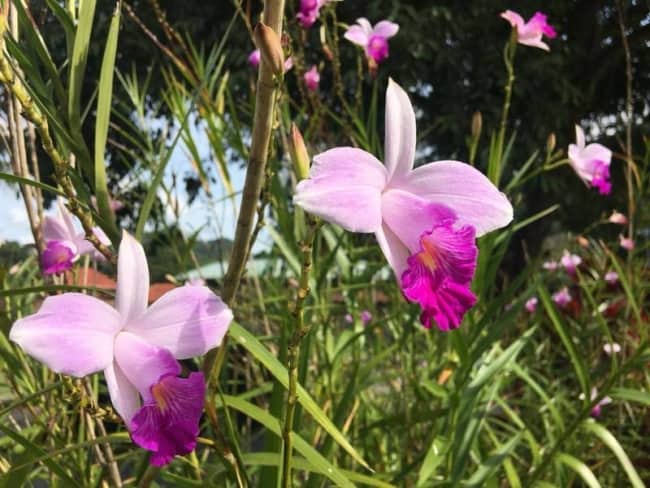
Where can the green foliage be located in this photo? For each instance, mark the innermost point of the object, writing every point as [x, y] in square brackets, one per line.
[384, 403]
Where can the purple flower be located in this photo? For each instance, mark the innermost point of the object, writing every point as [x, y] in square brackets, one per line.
[57, 257]
[570, 262]
[309, 12]
[425, 219]
[312, 79]
[373, 39]
[597, 409]
[530, 33]
[61, 229]
[591, 162]
[366, 317]
[195, 282]
[531, 305]
[611, 278]
[136, 347]
[254, 58]
[562, 297]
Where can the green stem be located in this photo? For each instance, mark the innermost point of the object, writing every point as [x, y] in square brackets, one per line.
[509, 59]
[300, 329]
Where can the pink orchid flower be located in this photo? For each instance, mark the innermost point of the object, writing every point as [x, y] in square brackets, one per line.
[254, 58]
[591, 162]
[570, 262]
[617, 218]
[531, 305]
[136, 347]
[626, 243]
[309, 12]
[64, 243]
[366, 317]
[373, 39]
[611, 278]
[312, 79]
[425, 219]
[530, 33]
[562, 297]
[597, 409]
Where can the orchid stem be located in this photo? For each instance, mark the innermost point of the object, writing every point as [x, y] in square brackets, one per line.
[267, 87]
[300, 330]
[509, 59]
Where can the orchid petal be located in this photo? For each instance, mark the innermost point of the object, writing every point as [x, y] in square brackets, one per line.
[55, 230]
[408, 216]
[187, 321]
[344, 187]
[356, 35]
[385, 29]
[124, 396]
[514, 18]
[400, 138]
[71, 333]
[534, 42]
[66, 218]
[465, 190]
[132, 291]
[394, 250]
[143, 364]
[365, 25]
[580, 137]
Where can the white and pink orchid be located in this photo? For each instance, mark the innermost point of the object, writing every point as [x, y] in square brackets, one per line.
[312, 79]
[309, 12]
[425, 219]
[136, 347]
[64, 244]
[374, 40]
[591, 162]
[530, 33]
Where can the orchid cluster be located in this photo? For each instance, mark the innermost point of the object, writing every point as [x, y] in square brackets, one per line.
[137, 348]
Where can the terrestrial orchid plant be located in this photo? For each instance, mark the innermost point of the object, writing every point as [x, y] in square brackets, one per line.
[426, 220]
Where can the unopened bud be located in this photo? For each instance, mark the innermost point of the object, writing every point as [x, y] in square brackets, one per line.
[583, 241]
[268, 42]
[477, 125]
[299, 154]
[550, 143]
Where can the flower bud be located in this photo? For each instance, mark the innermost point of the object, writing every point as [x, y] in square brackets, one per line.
[299, 154]
[550, 143]
[268, 42]
[477, 125]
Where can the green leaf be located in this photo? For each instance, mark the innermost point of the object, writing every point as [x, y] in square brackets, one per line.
[26, 181]
[77, 69]
[492, 463]
[567, 340]
[435, 456]
[610, 441]
[628, 394]
[580, 468]
[104, 103]
[264, 356]
[41, 454]
[321, 464]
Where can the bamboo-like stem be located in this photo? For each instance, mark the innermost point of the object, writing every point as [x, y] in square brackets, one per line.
[32, 113]
[629, 113]
[19, 153]
[300, 330]
[265, 96]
